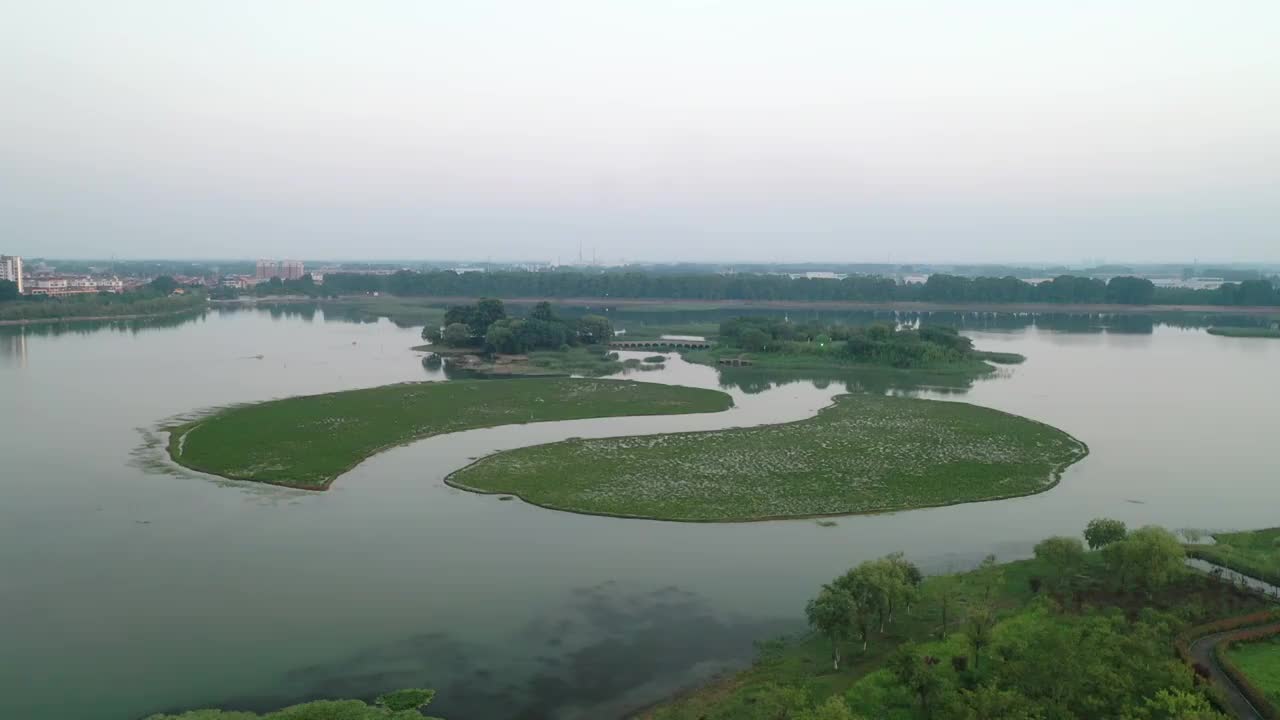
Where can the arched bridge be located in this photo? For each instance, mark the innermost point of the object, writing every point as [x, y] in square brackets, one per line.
[657, 344]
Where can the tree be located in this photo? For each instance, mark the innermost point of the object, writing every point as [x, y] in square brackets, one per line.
[543, 311]
[1156, 556]
[917, 674]
[500, 338]
[1101, 532]
[831, 614]
[978, 629]
[8, 290]
[755, 339]
[594, 329]
[456, 335]
[487, 312]
[862, 600]
[1130, 290]
[164, 284]
[1064, 556]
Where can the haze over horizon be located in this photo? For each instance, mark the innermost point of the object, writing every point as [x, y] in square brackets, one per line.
[992, 131]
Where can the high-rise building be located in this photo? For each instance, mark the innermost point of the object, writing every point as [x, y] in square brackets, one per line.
[11, 270]
[267, 269]
[291, 269]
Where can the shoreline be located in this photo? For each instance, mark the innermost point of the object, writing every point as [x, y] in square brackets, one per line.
[901, 306]
[98, 318]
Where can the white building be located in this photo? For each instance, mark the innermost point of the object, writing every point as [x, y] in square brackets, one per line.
[11, 270]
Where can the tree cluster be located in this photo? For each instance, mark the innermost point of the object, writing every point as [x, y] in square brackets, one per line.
[866, 596]
[874, 344]
[486, 325]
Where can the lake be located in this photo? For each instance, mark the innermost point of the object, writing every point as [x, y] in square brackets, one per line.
[131, 587]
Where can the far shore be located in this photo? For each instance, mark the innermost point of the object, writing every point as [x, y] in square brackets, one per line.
[95, 318]
[801, 305]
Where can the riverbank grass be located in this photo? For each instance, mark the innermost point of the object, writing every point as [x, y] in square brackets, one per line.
[1255, 553]
[1260, 662]
[1245, 332]
[865, 454]
[307, 442]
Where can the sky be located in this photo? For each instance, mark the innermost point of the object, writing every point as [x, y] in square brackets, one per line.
[642, 130]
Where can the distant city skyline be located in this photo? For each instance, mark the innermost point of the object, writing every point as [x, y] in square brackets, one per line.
[992, 131]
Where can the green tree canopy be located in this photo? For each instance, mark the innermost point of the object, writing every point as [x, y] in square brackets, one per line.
[456, 335]
[1103, 531]
[594, 329]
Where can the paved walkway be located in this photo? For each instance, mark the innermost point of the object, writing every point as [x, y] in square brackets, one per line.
[1202, 653]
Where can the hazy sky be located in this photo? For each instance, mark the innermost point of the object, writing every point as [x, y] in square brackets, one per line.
[968, 130]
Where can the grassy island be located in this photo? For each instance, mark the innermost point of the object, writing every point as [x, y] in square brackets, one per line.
[307, 442]
[866, 453]
[1245, 332]
[781, 344]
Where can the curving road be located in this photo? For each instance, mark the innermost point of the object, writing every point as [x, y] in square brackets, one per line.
[1202, 652]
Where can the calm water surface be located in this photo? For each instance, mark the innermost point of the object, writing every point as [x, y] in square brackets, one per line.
[128, 589]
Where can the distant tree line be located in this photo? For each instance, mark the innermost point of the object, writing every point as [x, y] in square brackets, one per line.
[153, 298]
[940, 288]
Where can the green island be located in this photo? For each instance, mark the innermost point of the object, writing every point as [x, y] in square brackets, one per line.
[865, 453]
[1255, 553]
[1244, 332]
[405, 704]
[306, 442]
[782, 344]
[1071, 634]
[482, 340]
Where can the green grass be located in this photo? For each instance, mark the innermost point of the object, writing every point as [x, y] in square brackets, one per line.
[1245, 332]
[1260, 661]
[1255, 553]
[309, 441]
[866, 453]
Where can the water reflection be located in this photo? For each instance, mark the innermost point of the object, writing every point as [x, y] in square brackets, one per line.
[13, 347]
[600, 652]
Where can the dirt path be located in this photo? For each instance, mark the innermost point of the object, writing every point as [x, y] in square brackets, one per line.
[1202, 653]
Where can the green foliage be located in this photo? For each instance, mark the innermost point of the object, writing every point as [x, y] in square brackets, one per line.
[408, 699]
[1107, 657]
[1148, 557]
[399, 705]
[163, 284]
[1064, 556]
[594, 330]
[940, 288]
[143, 301]
[456, 335]
[784, 343]
[294, 442]
[1255, 553]
[1259, 661]
[953, 453]
[8, 290]
[1245, 332]
[1101, 532]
